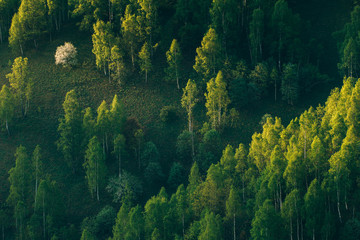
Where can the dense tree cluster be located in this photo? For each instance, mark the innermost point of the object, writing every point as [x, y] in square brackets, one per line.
[298, 181]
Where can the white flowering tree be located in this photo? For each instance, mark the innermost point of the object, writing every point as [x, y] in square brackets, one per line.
[66, 55]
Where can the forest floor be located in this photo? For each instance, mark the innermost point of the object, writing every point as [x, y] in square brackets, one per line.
[142, 100]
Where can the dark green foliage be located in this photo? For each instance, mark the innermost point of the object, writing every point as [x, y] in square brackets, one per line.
[177, 176]
[351, 230]
[168, 114]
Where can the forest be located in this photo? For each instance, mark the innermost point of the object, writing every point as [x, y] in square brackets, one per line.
[179, 119]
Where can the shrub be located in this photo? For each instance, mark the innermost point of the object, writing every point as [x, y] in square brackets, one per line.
[66, 55]
[168, 114]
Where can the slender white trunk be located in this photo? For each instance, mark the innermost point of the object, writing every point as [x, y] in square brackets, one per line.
[44, 220]
[234, 226]
[119, 164]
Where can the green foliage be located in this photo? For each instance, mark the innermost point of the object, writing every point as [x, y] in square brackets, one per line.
[176, 176]
[21, 83]
[267, 223]
[210, 227]
[289, 84]
[70, 131]
[217, 100]
[174, 57]
[103, 41]
[145, 60]
[168, 114]
[95, 167]
[7, 106]
[208, 56]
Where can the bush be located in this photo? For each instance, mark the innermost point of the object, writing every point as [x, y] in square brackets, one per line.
[66, 55]
[168, 114]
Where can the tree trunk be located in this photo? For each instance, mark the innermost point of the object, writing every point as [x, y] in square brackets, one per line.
[291, 229]
[109, 72]
[177, 77]
[1, 36]
[36, 180]
[119, 164]
[234, 227]
[44, 221]
[7, 127]
[21, 49]
[338, 203]
[275, 88]
[183, 225]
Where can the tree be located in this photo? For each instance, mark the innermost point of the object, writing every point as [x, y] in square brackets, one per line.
[291, 211]
[283, 22]
[136, 223]
[20, 178]
[188, 101]
[256, 35]
[148, 11]
[32, 17]
[37, 166]
[7, 106]
[16, 34]
[223, 15]
[260, 78]
[95, 166]
[117, 65]
[207, 60]
[210, 227]
[70, 131]
[289, 84]
[21, 82]
[103, 125]
[217, 99]
[267, 223]
[131, 34]
[174, 57]
[66, 55]
[119, 146]
[177, 176]
[116, 116]
[233, 207]
[103, 41]
[313, 203]
[145, 60]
